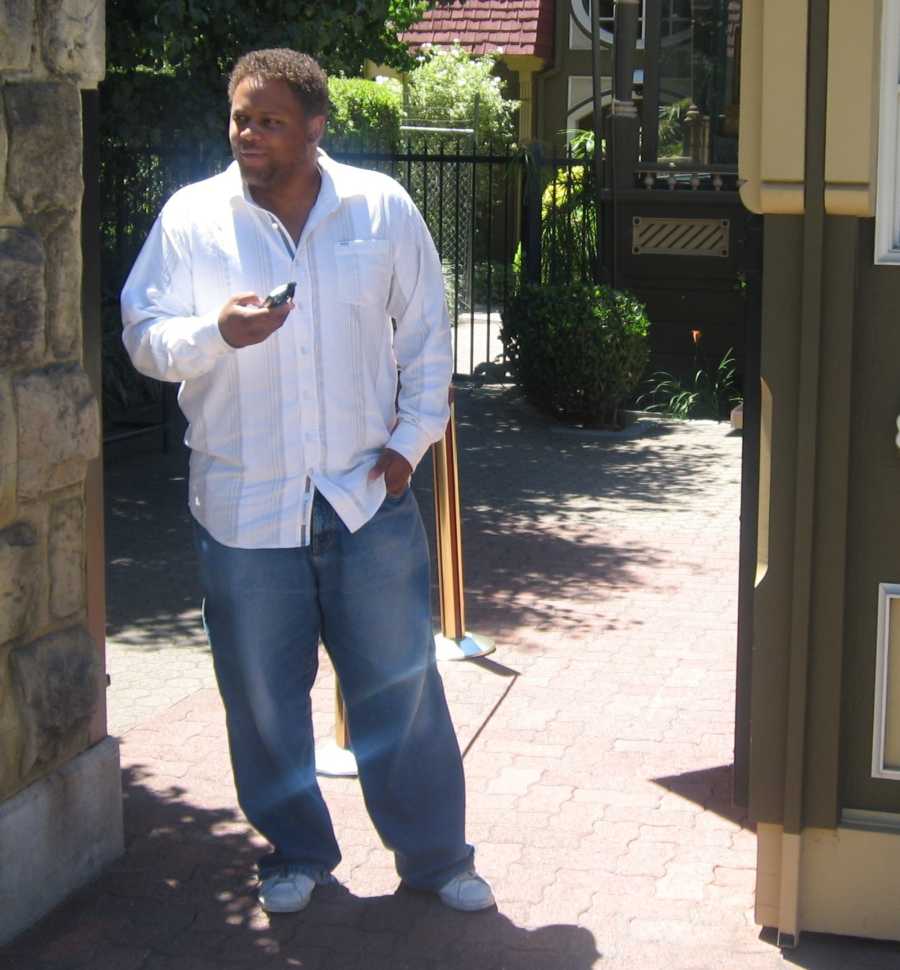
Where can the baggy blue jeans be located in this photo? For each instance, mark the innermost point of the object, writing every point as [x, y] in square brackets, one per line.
[367, 595]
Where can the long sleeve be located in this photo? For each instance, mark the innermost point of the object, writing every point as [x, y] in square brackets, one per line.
[422, 339]
[164, 336]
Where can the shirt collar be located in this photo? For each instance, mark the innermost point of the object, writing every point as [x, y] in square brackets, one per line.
[336, 183]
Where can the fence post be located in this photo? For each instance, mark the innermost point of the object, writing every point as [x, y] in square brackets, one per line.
[534, 162]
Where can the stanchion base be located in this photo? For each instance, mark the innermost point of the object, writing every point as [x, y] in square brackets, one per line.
[472, 645]
[333, 761]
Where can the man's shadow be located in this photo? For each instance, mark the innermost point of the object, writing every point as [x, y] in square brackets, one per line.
[413, 930]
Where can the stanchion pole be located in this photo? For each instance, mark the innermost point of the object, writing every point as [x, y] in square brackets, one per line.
[453, 642]
[334, 758]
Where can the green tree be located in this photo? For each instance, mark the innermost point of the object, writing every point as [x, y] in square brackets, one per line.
[168, 59]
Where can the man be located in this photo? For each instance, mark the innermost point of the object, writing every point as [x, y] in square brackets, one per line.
[301, 455]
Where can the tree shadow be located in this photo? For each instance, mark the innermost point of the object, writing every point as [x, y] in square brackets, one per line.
[152, 591]
[183, 896]
[533, 503]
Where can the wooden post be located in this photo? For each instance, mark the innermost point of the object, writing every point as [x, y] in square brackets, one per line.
[334, 758]
[453, 642]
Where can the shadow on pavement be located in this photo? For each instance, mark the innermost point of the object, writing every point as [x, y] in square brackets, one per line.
[819, 951]
[712, 788]
[183, 897]
[533, 558]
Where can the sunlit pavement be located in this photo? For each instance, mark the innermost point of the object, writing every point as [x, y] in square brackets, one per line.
[598, 738]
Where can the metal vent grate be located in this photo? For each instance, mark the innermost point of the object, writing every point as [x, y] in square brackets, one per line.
[680, 237]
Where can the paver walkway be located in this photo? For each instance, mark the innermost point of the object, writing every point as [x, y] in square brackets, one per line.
[598, 738]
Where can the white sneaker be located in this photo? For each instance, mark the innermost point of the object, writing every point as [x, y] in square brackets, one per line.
[467, 892]
[285, 890]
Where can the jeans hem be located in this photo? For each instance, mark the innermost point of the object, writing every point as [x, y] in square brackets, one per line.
[319, 874]
[435, 883]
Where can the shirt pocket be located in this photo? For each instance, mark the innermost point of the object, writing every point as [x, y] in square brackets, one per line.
[363, 271]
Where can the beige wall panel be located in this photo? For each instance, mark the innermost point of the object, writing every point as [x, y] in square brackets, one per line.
[773, 109]
[783, 137]
[853, 89]
[768, 874]
[849, 883]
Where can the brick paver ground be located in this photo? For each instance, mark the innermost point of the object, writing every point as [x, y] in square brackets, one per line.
[598, 738]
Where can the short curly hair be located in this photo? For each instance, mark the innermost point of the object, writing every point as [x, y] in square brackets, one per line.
[300, 71]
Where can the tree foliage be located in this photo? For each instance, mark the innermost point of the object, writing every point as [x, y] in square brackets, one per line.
[168, 59]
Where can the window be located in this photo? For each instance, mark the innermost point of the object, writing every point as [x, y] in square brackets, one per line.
[887, 213]
[886, 740]
[581, 12]
[675, 21]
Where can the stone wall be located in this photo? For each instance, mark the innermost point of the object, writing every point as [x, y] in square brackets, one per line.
[51, 674]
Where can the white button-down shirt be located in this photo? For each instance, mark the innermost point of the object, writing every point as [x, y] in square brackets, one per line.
[312, 406]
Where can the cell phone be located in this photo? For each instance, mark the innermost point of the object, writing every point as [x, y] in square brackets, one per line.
[280, 295]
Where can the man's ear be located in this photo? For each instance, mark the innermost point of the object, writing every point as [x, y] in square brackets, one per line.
[316, 128]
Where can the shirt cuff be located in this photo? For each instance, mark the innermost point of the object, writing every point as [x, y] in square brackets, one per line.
[410, 441]
[207, 337]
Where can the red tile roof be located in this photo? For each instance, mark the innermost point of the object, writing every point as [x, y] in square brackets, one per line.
[481, 26]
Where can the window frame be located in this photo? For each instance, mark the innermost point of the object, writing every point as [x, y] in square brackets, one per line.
[887, 206]
[582, 19]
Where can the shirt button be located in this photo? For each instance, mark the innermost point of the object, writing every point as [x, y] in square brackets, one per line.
[307, 396]
[304, 349]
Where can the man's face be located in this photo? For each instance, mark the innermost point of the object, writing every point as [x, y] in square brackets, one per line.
[272, 138]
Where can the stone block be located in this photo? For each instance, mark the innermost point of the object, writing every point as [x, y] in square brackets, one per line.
[20, 578]
[9, 453]
[63, 830]
[59, 428]
[74, 39]
[56, 680]
[17, 34]
[44, 167]
[66, 558]
[22, 299]
[63, 262]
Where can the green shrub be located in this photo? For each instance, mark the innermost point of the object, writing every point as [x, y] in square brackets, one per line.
[363, 111]
[577, 350]
[452, 87]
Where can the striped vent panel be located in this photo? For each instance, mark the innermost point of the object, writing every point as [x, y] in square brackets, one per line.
[680, 237]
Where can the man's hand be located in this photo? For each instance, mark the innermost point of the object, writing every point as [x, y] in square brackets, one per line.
[244, 320]
[396, 469]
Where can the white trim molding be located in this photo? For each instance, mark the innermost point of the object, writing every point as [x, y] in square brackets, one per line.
[884, 701]
[887, 209]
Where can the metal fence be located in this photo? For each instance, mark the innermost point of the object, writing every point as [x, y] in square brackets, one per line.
[470, 202]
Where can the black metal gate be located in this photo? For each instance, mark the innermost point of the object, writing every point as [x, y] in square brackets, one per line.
[470, 201]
